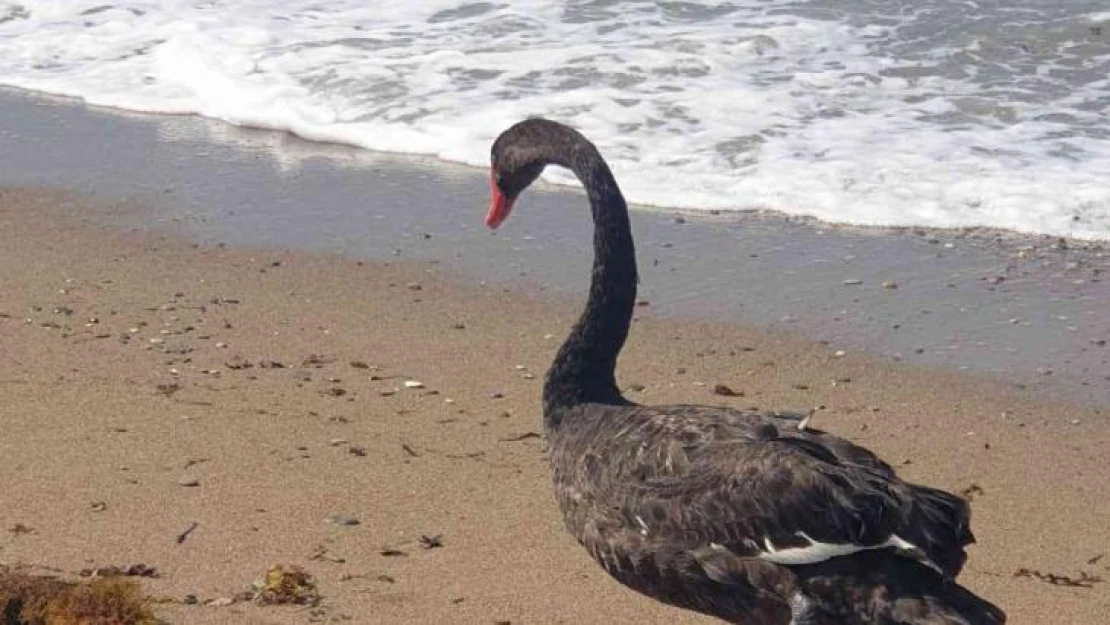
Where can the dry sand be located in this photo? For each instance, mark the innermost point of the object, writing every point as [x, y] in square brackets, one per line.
[134, 364]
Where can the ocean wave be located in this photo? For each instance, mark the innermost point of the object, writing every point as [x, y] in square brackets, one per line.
[903, 113]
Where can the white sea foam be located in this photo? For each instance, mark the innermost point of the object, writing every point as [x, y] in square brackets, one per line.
[908, 115]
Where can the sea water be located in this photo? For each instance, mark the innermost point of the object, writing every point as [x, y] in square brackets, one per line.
[877, 112]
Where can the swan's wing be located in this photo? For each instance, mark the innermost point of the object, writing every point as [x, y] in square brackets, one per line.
[748, 485]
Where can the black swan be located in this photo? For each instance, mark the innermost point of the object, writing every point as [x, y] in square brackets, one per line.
[751, 517]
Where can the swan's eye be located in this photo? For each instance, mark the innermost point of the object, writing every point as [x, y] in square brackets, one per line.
[499, 180]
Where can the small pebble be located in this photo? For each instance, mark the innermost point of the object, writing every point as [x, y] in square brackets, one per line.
[188, 482]
[853, 282]
[343, 520]
[726, 391]
[413, 384]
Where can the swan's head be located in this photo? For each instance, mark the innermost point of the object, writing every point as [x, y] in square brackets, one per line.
[518, 157]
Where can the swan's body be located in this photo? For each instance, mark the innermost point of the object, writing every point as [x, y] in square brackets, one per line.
[754, 518]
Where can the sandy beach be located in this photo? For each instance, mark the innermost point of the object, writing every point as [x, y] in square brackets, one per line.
[1026, 309]
[208, 404]
[135, 366]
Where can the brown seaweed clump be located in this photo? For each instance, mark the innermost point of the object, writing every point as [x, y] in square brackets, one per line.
[40, 600]
[286, 584]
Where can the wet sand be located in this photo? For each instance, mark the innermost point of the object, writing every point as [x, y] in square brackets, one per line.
[1029, 310]
[153, 378]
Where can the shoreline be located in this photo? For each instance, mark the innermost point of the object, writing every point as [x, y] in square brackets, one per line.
[1029, 310]
[285, 144]
[150, 383]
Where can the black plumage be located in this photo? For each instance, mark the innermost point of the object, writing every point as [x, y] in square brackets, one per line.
[752, 517]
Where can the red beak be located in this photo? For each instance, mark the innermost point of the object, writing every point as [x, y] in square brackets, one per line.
[499, 205]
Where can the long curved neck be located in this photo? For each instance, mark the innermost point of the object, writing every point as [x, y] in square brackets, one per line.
[584, 368]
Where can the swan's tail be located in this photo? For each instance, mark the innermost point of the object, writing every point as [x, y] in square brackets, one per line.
[888, 590]
[941, 526]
